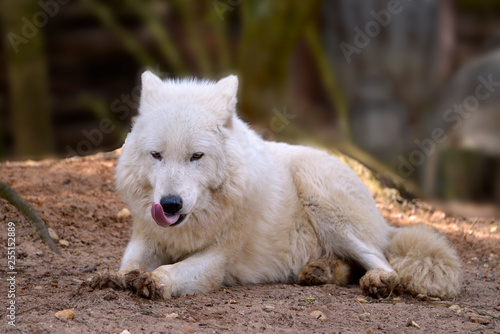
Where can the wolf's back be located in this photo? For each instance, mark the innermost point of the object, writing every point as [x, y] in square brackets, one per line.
[425, 262]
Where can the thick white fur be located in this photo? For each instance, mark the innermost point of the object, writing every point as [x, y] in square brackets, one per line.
[257, 211]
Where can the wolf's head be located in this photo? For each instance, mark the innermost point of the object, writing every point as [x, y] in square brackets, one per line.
[174, 157]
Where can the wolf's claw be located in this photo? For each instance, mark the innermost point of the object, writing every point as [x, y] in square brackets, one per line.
[108, 278]
[142, 283]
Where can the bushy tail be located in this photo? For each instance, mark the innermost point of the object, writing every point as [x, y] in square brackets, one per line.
[425, 262]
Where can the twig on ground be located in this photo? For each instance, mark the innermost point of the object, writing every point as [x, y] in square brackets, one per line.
[470, 230]
[27, 210]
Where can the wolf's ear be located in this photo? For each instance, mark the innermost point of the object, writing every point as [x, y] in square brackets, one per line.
[150, 87]
[227, 88]
[149, 80]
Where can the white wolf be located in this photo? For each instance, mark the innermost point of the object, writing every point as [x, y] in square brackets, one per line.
[213, 204]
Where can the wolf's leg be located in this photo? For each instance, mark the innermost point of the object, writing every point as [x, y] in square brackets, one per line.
[139, 255]
[380, 280]
[199, 273]
[345, 217]
[326, 271]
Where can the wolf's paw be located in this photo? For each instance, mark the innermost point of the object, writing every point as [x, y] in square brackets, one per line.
[325, 271]
[378, 283]
[108, 278]
[143, 284]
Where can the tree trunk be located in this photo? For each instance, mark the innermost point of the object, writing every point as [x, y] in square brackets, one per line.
[23, 22]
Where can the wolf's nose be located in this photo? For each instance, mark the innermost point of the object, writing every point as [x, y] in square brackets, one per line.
[171, 204]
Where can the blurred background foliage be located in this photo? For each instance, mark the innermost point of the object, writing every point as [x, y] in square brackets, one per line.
[377, 80]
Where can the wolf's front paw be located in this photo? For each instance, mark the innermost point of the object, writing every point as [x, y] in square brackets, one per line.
[143, 284]
[378, 283]
[108, 278]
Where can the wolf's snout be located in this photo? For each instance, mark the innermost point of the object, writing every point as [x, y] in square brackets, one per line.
[171, 204]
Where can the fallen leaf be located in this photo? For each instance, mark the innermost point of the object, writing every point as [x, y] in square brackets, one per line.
[476, 318]
[411, 323]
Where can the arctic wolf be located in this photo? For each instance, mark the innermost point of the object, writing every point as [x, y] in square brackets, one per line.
[213, 204]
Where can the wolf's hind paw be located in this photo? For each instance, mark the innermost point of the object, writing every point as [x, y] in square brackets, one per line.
[108, 278]
[379, 283]
[325, 271]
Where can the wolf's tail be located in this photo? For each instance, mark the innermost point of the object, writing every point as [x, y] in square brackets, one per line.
[425, 262]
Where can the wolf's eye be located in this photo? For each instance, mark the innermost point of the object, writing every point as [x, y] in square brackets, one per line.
[156, 155]
[197, 156]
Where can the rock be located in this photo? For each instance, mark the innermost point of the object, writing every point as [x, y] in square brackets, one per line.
[125, 332]
[68, 314]
[53, 234]
[364, 316]
[89, 269]
[123, 213]
[268, 308]
[171, 315]
[318, 315]
[455, 308]
[63, 243]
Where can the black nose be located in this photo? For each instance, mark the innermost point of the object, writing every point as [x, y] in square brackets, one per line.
[171, 204]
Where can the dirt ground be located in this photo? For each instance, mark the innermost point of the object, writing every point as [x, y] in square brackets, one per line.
[76, 199]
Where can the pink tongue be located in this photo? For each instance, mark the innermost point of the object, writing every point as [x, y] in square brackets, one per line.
[160, 218]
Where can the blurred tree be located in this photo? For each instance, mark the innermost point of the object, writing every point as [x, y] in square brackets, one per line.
[27, 76]
[257, 44]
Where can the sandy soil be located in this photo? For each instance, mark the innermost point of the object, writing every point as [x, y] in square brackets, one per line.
[76, 199]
